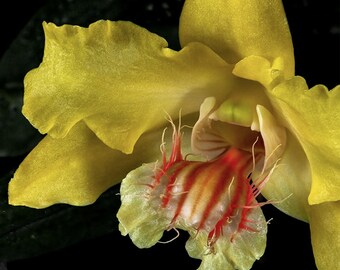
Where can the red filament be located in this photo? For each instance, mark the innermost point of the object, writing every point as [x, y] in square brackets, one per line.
[209, 195]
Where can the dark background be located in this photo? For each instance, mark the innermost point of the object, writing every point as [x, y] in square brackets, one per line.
[315, 29]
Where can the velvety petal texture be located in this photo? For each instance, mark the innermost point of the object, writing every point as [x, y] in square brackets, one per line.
[260, 69]
[74, 170]
[77, 169]
[103, 95]
[290, 182]
[324, 222]
[120, 79]
[273, 136]
[313, 117]
[237, 29]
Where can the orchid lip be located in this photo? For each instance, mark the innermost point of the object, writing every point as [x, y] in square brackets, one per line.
[215, 201]
[215, 196]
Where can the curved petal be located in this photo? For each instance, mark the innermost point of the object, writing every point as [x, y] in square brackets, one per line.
[211, 136]
[236, 29]
[77, 169]
[313, 116]
[260, 69]
[137, 216]
[241, 253]
[120, 79]
[290, 181]
[230, 122]
[273, 135]
[325, 232]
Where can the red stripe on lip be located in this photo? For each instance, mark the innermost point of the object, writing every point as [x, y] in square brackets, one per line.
[205, 186]
[172, 182]
[234, 162]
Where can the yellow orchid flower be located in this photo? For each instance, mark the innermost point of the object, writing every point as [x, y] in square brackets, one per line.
[104, 94]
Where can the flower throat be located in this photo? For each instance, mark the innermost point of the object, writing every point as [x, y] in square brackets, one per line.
[215, 196]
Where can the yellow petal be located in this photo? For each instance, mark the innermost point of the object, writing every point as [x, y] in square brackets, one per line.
[77, 169]
[73, 170]
[259, 69]
[236, 29]
[273, 135]
[313, 116]
[290, 182]
[120, 79]
[325, 233]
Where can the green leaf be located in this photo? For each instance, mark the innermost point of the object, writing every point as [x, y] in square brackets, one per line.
[27, 232]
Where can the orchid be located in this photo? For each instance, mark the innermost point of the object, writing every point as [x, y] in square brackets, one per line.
[107, 95]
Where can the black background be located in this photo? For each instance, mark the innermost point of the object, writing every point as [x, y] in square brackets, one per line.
[315, 29]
